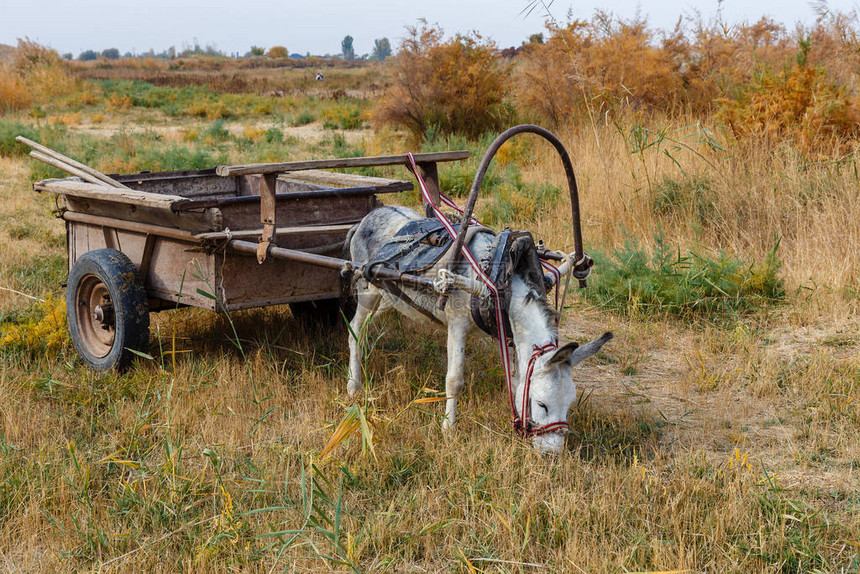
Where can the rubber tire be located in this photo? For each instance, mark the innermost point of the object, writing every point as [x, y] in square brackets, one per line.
[326, 312]
[110, 271]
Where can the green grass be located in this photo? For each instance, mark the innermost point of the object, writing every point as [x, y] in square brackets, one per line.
[664, 281]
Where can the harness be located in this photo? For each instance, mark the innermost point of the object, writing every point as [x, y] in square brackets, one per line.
[524, 424]
[512, 252]
[517, 252]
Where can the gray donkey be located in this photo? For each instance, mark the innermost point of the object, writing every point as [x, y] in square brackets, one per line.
[542, 389]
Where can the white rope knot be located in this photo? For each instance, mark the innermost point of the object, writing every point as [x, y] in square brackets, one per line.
[443, 282]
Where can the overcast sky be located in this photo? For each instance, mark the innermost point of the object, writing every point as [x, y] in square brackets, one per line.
[318, 27]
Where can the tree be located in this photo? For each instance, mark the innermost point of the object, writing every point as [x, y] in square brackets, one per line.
[111, 53]
[381, 49]
[87, 55]
[277, 52]
[257, 51]
[347, 49]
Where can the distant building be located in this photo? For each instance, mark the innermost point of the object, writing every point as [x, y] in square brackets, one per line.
[296, 57]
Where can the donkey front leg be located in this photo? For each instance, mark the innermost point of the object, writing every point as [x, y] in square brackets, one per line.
[368, 301]
[457, 331]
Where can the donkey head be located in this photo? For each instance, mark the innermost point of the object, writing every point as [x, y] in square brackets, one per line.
[551, 391]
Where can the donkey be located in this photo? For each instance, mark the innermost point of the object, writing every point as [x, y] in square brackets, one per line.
[543, 369]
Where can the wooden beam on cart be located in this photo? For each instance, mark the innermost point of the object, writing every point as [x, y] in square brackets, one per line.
[379, 160]
[426, 163]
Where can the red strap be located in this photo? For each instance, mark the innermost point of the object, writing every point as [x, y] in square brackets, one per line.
[520, 423]
[467, 254]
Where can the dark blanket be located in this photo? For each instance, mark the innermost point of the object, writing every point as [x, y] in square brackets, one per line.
[416, 247]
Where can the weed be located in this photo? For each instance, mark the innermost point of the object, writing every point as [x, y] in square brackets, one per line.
[679, 199]
[302, 118]
[43, 332]
[668, 282]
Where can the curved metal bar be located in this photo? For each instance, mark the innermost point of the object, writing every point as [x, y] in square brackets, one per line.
[583, 262]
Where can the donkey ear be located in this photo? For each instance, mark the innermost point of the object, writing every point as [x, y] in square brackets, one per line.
[588, 349]
[562, 354]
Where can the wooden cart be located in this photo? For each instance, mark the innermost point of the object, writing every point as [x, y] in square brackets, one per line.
[184, 238]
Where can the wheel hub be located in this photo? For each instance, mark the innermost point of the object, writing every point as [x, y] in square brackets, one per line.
[103, 314]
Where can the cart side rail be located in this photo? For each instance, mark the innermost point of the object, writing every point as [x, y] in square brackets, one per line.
[85, 190]
[379, 160]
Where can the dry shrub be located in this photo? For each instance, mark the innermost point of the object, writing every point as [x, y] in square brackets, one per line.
[587, 66]
[118, 102]
[601, 60]
[454, 86]
[42, 70]
[14, 94]
[798, 104]
[277, 52]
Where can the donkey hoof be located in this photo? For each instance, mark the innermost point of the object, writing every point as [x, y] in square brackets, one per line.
[352, 388]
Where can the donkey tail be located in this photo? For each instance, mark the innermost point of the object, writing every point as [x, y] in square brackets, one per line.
[346, 252]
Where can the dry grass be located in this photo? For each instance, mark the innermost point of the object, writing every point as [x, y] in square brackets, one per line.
[724, 445]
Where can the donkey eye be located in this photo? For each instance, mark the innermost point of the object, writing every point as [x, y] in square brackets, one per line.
[543, 406]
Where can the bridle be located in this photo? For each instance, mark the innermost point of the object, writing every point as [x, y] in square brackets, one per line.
[523, 424]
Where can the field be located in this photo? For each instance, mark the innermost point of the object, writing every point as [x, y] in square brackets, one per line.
[717, 433]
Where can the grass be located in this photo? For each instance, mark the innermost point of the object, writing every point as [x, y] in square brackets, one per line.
[686, 285]
[716, 433]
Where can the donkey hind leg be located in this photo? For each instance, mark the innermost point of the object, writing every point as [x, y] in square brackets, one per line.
[457, 331]
[368, 301]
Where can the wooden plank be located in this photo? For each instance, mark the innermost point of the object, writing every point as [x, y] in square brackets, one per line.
[108, 223]
[104, 193]
[267, 213]
[300, 212]
[330, 178]
[281, 232]
[68, 168]
[67, 162]
[247, 169]
[431, 181]
[192, 221]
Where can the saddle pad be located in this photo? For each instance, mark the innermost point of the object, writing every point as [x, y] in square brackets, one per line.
[416, 246]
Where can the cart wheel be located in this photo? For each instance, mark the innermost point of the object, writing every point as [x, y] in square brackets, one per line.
[107, 309]
[324, 312]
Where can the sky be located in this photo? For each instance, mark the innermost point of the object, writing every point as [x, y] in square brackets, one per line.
[72, 26]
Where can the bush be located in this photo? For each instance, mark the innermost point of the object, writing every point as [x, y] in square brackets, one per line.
[9, 131]
[14, 94]
[345, 115]
[302, 118]
[587, 63]
[798, 104]
[689, 196]
[41, 331]
[456, 86]
[669, 283]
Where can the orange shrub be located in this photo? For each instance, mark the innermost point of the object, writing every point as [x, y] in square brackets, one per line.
[588, 63]
[42, 70]
[277, 52]
[453, 86]
[591, 66]
[14, 95]
[798, 103]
